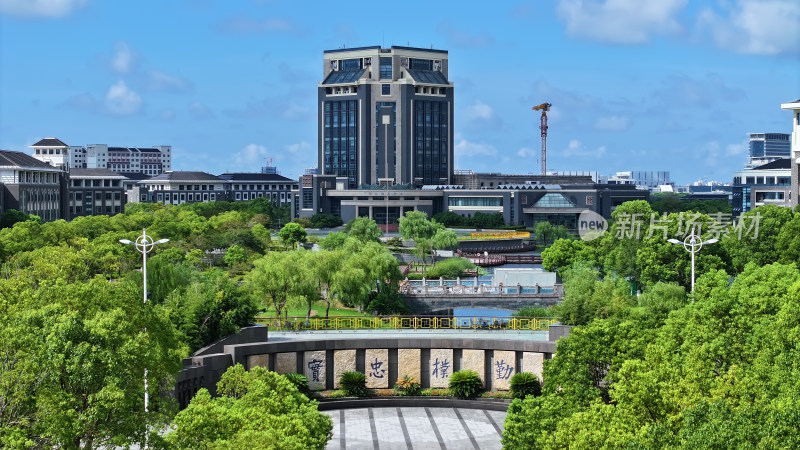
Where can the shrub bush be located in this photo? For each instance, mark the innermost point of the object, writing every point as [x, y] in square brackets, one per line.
[304, 222]
[388, 300]
[300, 382]
[433, 392]
[325, 221]
[354, 384]
[450, 268]
[407, 386]
[465, 384]
[536, 311]
[496, 394]
[524, 384]
[333, 394]
[395, 241]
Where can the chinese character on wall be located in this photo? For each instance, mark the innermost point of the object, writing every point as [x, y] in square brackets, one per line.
[315, 365]
[503, 370]
[440, 368]
[377, 369]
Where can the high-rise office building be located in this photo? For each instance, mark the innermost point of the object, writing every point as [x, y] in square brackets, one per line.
[386, 116]
[147, 160]
[767, 147]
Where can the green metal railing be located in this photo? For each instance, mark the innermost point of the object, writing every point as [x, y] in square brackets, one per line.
[408, 323]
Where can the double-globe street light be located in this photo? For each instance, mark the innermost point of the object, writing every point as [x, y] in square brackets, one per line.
[144, 244]
[693, 243]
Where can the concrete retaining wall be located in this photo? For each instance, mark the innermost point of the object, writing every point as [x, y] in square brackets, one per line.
[382, 360]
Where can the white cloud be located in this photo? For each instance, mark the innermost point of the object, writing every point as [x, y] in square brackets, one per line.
[301, 147]
[122, 101]
[526, 152]
[766, 27]
[155, 80]
[123, 59]
[466, 148]
[479, 110]
[711, 152]
[166, 115]
[611, 123]
[620, 21]
[253, 155]
[683, 91]
[295, 112]
[84, 102]
[576, 149]
[41, 8]
[714, 153]
[737, 149]
[200, 111]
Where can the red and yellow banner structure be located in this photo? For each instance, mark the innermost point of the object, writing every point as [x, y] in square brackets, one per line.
[498, 235]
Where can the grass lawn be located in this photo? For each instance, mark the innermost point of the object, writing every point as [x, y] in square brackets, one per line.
[319, 307]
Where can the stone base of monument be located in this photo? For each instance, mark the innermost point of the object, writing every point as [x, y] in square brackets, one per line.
[491, 404]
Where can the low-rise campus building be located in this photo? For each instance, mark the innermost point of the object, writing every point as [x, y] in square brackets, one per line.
[32, 186]
[94, 192]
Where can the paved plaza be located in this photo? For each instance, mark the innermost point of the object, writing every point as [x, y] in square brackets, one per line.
[416, 427]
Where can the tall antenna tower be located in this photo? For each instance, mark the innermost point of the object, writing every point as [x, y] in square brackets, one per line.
[544, 107]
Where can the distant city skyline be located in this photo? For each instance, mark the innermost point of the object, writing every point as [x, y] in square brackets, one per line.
[672, 85]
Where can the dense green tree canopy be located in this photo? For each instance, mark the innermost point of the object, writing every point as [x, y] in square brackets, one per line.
[444, 239]
[659, 370]
[586, 297]
[669, 202]
[255, 409]
[546, 232]
[73, 359]
[720, 372]
[560, 256]
[758, 237]
[12, 216]
[478, 220]
[292, 233]
[75, 334]
[416, 226]
[325, 221]
[364, 229]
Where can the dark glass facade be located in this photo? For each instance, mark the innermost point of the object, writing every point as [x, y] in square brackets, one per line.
[756, 148]
[386, 68]
[341, 139]
[421, 64]
[369, 140]
[770, 145]
[351, 64]
[431, 141]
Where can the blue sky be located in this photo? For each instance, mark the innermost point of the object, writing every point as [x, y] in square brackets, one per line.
[656, 85]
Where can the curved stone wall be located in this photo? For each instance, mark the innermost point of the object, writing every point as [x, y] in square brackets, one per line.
[429, 360]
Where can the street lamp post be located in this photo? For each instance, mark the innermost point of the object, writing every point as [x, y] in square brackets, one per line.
[144, 244]
[692, 243]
